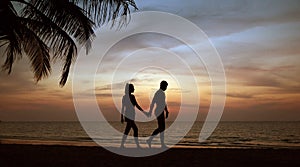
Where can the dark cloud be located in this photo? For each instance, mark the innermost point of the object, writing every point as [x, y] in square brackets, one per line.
[239, 95]
[118, 85]
[257, 76]
[178, 90]
[132, 43]
[100, 95]
[226, 17]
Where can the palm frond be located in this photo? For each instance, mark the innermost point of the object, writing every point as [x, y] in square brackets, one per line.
[67, 65]
[65, 15]
[13, 50]
[10, 37]
[55, 25]
[62, 44]
[103, 11]
[59, 40]
[38, 53]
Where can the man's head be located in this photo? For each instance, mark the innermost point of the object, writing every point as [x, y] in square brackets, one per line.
[163, 85]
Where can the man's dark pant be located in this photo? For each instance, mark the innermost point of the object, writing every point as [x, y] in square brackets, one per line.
[161, 127]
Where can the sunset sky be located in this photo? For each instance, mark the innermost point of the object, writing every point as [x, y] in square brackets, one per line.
[257, 40]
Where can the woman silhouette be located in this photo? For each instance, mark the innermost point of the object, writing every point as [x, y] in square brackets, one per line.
[128, 104]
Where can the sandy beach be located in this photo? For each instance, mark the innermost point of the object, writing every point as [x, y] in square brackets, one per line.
[55, 155]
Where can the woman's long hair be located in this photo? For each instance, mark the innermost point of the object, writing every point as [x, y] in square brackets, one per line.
[127, 89]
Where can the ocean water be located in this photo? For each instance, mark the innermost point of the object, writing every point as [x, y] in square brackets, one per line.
[226, 135]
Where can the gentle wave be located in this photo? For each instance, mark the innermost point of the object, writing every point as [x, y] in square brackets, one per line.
[227, 134]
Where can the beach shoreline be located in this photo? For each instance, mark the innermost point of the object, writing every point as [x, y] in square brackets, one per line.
[60, 155]
[92, 143]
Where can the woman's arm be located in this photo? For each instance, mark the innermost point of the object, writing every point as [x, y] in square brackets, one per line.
[139, 107]
[136, 103]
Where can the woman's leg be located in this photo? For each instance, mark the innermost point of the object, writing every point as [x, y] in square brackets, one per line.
[127, 129]
[135, 134]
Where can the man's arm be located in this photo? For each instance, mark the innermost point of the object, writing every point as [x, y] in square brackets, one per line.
[167, 112]
[122, 111]
[152, 104]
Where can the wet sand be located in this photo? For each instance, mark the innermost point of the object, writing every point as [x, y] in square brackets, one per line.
[57, 155]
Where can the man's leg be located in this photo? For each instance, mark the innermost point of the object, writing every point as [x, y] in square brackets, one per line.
[161, 127]
[155, 132]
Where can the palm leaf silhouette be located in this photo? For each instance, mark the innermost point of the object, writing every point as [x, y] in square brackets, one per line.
[53, 29]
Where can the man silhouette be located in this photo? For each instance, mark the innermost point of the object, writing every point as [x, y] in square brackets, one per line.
[160, 100]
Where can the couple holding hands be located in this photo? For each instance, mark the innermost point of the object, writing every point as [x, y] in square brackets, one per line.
[128, 113]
